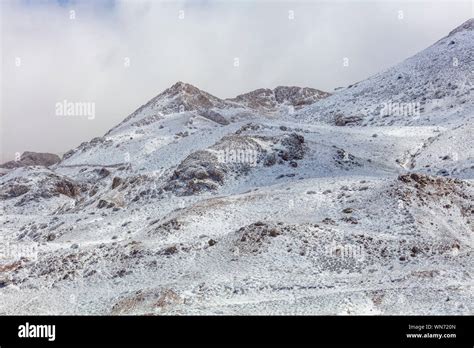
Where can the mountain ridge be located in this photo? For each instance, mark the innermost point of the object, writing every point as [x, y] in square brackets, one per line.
[432, 82]
[184, 97]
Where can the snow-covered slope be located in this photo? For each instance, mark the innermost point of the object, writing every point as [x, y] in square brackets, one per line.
[177, 113]
[434, 87]
[199, 205]
[179, 98]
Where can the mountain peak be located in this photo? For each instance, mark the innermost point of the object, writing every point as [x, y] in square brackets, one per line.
[183, 87]
[178, 98]
[189, 96]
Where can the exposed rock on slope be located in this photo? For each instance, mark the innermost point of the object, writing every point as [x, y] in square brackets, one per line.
[31, 188]
[29, 158]
[179, 98]
[454, 196]
[280, 98]
[233, 155]
[183, 97]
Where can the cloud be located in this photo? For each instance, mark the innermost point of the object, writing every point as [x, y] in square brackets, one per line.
[119, 54]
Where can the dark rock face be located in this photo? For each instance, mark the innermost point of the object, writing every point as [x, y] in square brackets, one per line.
[214, 116]
[16, 191]
[295, 149]
[102, 204]
[269, 100]
[425, 189]
[341, 120]
[33, 159]
[232, 157]
[260, 99]
[104, 172]
[199, 171]
[67, 188]
[116, 182]
[346, 160]
[206, 170]
[170, 250]
[38, 185]
[253, 238]
[291, 148]
[298, 96]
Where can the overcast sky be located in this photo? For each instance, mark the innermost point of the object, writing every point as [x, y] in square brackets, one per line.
[120, 54]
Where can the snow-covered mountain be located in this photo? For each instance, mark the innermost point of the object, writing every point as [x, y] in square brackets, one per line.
[283, 201]
[434, 87]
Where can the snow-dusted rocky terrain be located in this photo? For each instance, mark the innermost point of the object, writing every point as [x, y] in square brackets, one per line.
[284, 201]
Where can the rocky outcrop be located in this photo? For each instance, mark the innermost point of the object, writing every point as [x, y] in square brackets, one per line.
[35, 184]
[233, 156]
[29, 158]
[271, 100]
